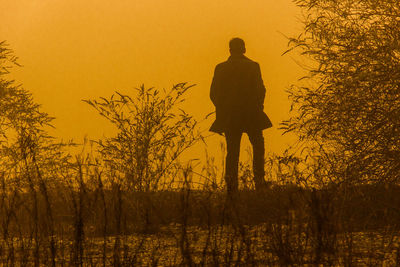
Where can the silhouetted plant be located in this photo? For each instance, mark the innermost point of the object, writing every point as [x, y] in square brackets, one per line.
[28, 157]
[152, 133]
[349, 108]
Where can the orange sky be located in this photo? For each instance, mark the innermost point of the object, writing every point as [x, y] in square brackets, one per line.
[74, 49]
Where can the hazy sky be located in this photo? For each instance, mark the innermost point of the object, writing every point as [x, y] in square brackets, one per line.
[83, 49]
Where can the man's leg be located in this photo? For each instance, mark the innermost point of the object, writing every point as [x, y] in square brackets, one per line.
[232, 160]
[257, 141]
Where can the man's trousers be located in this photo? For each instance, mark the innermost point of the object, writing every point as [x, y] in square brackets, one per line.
[233, 139]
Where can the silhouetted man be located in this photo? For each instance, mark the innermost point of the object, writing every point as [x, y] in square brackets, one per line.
[238, 93]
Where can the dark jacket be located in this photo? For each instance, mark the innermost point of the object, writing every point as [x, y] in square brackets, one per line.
[238, 93]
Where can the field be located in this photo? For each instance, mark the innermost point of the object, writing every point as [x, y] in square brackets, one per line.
[285, 225]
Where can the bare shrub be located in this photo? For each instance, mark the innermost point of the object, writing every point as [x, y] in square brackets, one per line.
[348, 109]
[152, 134]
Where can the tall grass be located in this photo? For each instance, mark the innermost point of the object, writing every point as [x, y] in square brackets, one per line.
[95, 221]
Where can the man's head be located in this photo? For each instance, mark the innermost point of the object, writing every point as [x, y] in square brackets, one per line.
[236, 46]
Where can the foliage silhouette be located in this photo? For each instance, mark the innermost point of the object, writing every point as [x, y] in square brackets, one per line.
[152, 133]
[348, 110]
[29, 160]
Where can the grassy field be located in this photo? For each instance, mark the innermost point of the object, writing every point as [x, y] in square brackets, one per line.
[285, 225]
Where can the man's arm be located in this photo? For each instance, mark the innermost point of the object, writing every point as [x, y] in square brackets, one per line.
[260, 86]
[214, 87]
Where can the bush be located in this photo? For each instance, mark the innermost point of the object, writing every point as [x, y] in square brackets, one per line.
[152, 132]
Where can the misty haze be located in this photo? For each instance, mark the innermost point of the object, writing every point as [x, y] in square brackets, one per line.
[199, 133]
